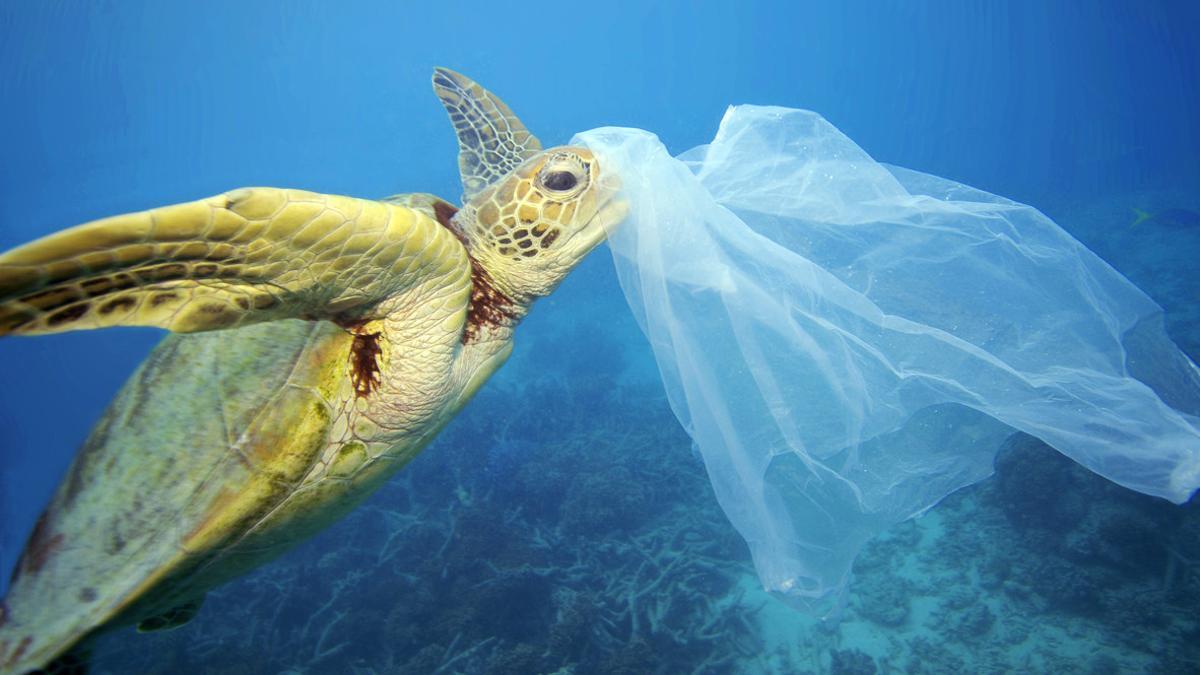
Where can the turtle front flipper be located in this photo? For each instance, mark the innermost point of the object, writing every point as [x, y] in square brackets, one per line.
[238, 258]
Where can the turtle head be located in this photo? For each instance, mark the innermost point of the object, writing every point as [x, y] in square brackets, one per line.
[529, 215]
[533, 226]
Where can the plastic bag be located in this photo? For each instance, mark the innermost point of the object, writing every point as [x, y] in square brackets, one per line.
[847, 343]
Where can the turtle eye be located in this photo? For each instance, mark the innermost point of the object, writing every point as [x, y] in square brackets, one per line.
[563, 175]
[559, 181]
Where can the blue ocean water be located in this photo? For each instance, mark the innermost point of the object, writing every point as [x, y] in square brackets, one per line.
[562, 523]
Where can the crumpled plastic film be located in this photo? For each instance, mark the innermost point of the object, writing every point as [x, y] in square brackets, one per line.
[848, 342]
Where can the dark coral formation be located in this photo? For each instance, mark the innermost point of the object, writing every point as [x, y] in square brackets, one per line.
[851, 662]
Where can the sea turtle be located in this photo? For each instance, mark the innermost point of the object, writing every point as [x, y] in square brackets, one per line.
[319, 343]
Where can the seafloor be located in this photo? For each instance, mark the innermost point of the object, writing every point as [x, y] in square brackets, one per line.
[563, 524]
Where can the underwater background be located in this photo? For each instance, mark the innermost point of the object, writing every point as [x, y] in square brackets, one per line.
[562, 522]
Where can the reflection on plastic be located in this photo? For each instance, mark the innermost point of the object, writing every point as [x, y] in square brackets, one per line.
[847, 343]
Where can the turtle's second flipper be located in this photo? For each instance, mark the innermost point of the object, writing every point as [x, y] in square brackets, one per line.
[242, 257]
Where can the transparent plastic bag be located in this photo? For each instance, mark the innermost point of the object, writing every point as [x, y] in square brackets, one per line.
[847, 342]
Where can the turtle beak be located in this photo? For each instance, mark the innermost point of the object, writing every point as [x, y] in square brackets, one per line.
[607, 217]
[611, 215]
[602, 224]
[613, 208]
